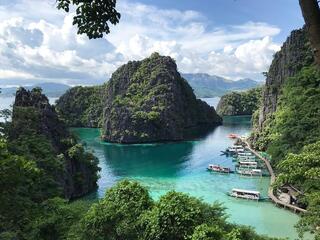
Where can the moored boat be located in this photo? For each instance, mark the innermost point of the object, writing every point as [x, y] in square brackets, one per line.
[218, 168]
[248, 164]
[249, 172]
[246, 158]
[245, 194]
[236, 149]
[233, 136]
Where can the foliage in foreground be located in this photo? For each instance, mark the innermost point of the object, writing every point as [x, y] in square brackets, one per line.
[128, 212]
[92, 17]
[303, 170]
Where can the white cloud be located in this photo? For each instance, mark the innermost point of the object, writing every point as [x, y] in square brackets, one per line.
[14, 74]
[44, 46]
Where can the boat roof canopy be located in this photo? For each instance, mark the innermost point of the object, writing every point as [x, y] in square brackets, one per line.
[246, 163]
[245, 191]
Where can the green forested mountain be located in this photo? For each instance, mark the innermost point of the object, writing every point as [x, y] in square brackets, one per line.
[40, 160]
[239, 103]
[287, 125]
[149, 101]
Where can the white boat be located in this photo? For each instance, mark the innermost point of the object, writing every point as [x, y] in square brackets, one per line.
[248, 164]
[249, 172]
[218, 168]
[247, 158]
[246, 154]
[246, 194]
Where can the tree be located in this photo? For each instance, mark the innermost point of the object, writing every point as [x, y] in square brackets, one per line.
[58, 219]
[311, 14]
[20, 181]
[116, 216]
[205, 232]
[176, 216]
[92, 17]
[303, 169]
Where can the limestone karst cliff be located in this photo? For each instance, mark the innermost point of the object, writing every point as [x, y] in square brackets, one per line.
[149, 101]
[37, 133]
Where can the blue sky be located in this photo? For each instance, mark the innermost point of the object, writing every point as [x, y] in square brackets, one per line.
[230, 38]
[283, 13]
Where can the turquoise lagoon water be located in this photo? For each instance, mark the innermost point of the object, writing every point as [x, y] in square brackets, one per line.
[182, 167]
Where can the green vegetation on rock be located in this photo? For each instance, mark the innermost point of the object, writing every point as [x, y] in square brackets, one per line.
[40, 161]
[287, 125]
[148, 101]
[81, 106]
[296, 122]
[240, 103]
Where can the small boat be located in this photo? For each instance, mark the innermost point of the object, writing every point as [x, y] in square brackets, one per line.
[248, 164]
[240, 157]
[217, 168]
[235, 149]
[249, 172]
[246, 154]
[233, 136]
[245, 194]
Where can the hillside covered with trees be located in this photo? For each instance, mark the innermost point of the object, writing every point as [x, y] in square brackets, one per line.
[287, 125]
[239, 103]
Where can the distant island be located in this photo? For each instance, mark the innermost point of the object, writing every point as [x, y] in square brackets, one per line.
[240, 103]
[203, 84]
[206, 86]
[50, 89]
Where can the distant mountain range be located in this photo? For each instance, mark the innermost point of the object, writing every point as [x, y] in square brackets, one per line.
[49, 89]
[205, 85]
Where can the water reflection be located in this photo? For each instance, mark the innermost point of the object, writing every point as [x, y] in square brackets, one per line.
[154, 160]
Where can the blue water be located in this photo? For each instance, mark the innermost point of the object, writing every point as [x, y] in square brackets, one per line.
[182, 167]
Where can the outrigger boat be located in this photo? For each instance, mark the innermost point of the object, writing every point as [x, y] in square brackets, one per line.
[217, 168]
[249, 172]
[245, 194]
[235, 149]
[247, 158]
[246, 154]
[248, 164]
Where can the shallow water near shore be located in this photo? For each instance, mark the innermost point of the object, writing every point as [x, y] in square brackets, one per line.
[182, 167]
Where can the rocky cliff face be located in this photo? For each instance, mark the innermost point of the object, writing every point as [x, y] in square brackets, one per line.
[72, 169]
[148, 101]
[294, 54]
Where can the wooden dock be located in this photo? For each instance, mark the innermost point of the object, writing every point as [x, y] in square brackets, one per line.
[276, 200]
